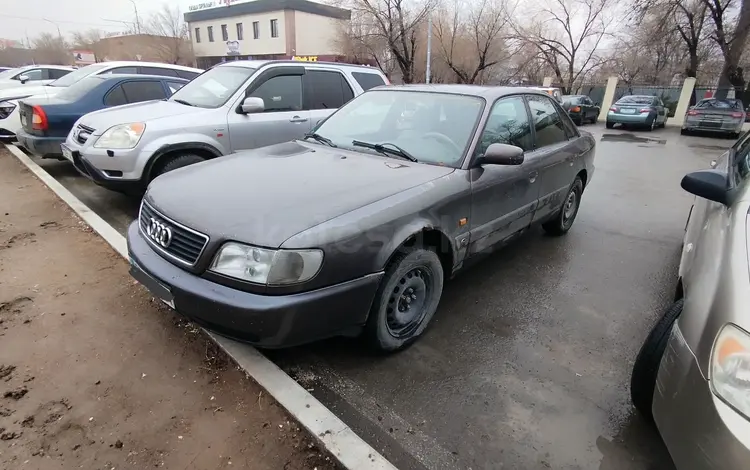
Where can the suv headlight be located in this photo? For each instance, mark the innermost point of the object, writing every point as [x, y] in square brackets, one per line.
[263, 266]
[121, 136]
[730, 368]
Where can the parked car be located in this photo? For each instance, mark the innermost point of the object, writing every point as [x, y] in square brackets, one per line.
[638, 111]
[10, 121]
[47, 121]
[556, 93]
[233, 106]
[33, 75]
[724, 116]
[3, 69]
[580, 108]
[692, 374]
[355, 228]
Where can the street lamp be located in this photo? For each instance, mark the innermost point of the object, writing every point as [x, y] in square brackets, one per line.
[137, 20]
[59, 35]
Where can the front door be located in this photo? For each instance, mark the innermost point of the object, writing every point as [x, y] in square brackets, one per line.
[283, 118]
[503, 197]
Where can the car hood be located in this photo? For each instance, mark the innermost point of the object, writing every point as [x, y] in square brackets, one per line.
[265, 196]
[136, 112]
[31, 90]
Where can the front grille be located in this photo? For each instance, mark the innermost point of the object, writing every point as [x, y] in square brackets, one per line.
[82, 133]
[185, 245]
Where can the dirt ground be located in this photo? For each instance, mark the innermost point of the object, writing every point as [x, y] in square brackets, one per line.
[95, 374]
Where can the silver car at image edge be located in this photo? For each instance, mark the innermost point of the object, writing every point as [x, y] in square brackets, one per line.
[692, 374]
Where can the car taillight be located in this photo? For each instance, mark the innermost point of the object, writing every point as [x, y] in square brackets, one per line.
[576, 109]
[39, 119]
[692, 113]
[645, 110]
[613, 108]
[738, 115]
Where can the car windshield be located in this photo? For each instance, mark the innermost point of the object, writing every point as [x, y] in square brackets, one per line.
[213, 88]
[431, 127]
[76, 75]
[636, 100]
[719, 104]
[80, 88]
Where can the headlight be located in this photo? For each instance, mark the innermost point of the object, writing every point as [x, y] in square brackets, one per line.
[6, 107]
[730, 367]
[121, 136]
[262, 266]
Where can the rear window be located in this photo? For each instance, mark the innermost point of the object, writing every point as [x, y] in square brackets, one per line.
[77, 90]
[720, 104]
[368, 80]
[636, 100]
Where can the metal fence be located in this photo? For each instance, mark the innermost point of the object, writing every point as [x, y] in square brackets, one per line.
[595, 91]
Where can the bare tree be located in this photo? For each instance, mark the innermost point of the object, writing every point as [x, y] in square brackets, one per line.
[567, 37]
[51, 49]
[173, 45]
[731, 37]
[470, 38]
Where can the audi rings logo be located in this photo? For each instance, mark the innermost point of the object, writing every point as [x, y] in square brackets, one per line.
[159, 232]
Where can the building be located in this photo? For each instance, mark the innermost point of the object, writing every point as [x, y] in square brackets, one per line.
[264, 29]
[145, 47]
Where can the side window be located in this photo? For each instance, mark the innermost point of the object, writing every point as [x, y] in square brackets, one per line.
[741, 170]
[326, 90]
[174, 86]
[281, 93]
[508, 123]
[158, 71]
[143, 90]
[368, 80]
[33, 74]
[186, 74]
[548, 124]
[121, 70]
[54, 74]
[115, 97]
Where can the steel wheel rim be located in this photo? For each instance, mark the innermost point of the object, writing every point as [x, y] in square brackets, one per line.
[569, 209]
[408, 302]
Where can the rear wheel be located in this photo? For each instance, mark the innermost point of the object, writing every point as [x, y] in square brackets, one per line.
[646, 367]
[684, 132]
[610, 125]
[178, 161]
[406, 299]
[567, 215]
[652, 125]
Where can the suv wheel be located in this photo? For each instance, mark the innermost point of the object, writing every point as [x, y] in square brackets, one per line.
[646, 367]
[406, 300]
[178, 161]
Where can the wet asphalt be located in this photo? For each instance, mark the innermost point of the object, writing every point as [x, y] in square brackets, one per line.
[527, 362]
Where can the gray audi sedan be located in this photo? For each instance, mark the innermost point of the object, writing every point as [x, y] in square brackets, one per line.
[354, 229]
[724, 116]
[692, 374]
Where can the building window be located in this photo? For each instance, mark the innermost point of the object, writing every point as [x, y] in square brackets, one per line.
[256, 30]
[224, 33]
[197, 35]
[274, 28]
[240, 35]
[210, 33]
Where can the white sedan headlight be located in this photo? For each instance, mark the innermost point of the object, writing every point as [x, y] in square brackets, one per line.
[730, 367]
[263, 266]
[121, 136]
[6, 107]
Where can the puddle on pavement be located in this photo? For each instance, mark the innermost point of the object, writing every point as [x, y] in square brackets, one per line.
[631, 138]
[710, 147]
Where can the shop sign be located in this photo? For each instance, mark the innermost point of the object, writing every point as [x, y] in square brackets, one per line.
[305, 58]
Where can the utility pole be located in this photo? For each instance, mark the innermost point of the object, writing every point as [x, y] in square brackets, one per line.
[429, 48]
[59, 35]
[137, 20]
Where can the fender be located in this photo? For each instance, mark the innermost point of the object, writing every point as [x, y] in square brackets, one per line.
[166, 148]
[405, 232]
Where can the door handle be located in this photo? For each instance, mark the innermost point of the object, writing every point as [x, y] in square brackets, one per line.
[532, 176]
[298, 119]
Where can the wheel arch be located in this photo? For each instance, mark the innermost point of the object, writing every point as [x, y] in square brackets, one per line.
[163, 154]
[425, 235]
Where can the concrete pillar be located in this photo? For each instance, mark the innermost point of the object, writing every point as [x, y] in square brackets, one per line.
[609, 98]
[683, 104]
[547, 82]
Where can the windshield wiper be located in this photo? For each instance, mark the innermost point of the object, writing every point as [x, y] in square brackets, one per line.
[182, 102]
[396, 150]
[320, 138]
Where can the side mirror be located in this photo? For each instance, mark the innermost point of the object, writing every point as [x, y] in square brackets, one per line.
[502, 154]
[708, 184]
[24, 79]
[252, 104]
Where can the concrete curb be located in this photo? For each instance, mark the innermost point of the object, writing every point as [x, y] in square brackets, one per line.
[350, 450]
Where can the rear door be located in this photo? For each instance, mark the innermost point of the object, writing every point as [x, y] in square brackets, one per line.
[284, 117]
[325, 92]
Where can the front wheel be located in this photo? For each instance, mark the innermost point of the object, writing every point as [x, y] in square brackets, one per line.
[406, 300]
[567, 215]
[646, 367]
[178, 161]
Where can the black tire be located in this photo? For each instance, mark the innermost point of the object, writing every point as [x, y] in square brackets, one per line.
[684, 132]
[416, 268]
[734, 135]
[578, 122]
[177, 161]
[646, 367]
[610, 125]
[564, 219]
[652, 125]
[594, 119]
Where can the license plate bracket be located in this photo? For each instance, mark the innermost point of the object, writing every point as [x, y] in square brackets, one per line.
[67, 153]
[161, 291]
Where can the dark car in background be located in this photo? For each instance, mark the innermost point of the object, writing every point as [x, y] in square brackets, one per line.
[580, 108]
[642, 111]
[47, 121]
[722, 116]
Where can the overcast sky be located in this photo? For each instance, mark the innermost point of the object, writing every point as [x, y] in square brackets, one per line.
[19, 18]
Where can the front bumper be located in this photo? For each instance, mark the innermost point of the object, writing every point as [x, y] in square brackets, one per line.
[700, 430]
[86, 169]
[263, 320]
[45, 147]
[632, 119]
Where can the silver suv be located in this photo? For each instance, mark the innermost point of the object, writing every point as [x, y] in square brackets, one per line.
[233, 106]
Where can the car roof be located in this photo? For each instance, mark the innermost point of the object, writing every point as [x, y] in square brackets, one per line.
[34, 66]
[260, 63]
[121, 76]
[136, 63]
[637, 96]
[488, 92]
